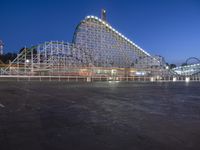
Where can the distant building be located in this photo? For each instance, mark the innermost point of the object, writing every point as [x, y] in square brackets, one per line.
[1, 47]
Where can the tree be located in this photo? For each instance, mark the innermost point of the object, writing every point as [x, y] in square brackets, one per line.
[8, 56]
[171, 66]
[33, 49]
[184, 64]
[22, 49]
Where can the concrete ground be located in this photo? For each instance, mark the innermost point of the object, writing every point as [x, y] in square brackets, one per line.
[99, 116]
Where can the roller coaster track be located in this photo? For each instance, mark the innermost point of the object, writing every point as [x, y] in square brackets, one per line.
[188, 69]
[191, 59]
[95, 43]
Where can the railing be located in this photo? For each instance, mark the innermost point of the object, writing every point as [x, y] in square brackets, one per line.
[95, 78]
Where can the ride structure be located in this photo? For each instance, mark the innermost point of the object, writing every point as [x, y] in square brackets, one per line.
[97, 49]
[190, 68]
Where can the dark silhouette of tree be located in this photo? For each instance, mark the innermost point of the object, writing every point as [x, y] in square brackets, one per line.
[5, 58]
[33, 49]
[22, 49]
[184, 64]
[171, 66]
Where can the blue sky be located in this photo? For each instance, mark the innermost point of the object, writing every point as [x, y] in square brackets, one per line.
[170, 28]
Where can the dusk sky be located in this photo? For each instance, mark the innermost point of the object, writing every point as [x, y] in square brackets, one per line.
[170, 28]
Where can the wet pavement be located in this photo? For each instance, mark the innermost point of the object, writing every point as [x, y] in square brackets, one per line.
[99, 116]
